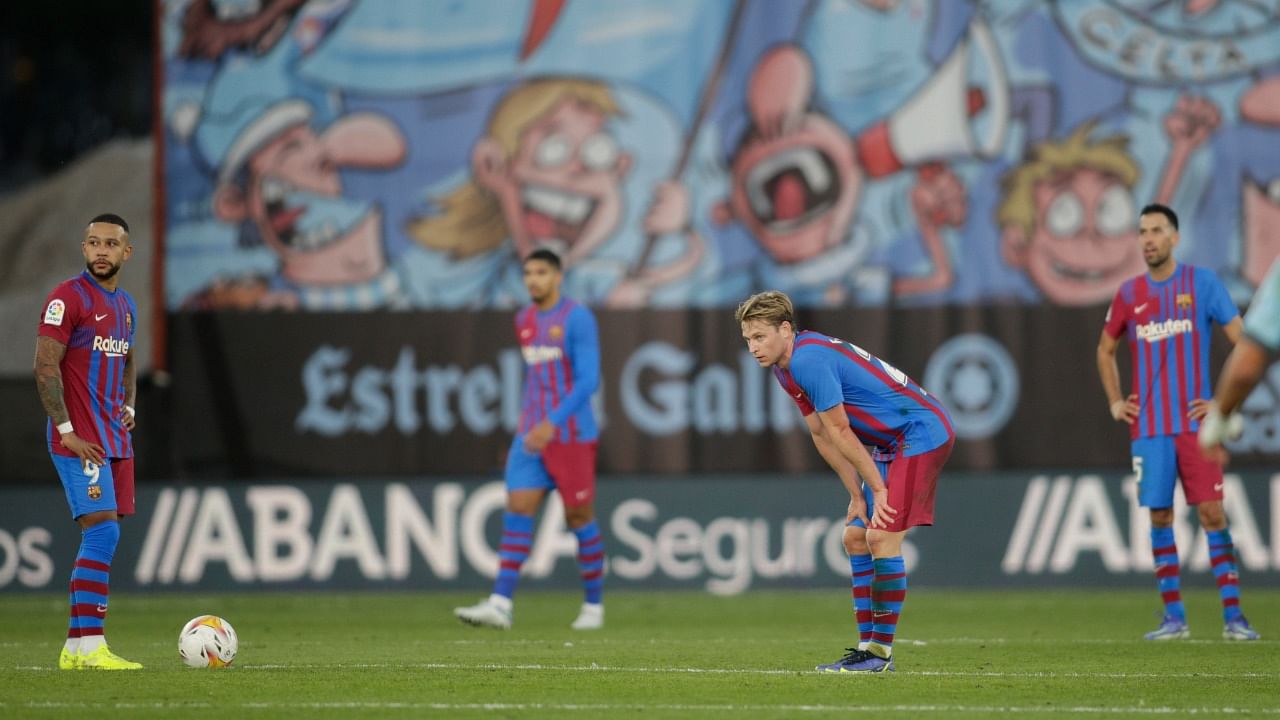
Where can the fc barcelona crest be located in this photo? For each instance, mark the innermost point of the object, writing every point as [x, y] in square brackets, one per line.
[128, 321]
[556, 332]
[95, 492]
[1183, 300]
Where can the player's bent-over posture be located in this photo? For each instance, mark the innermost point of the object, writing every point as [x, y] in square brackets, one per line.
[849, 399]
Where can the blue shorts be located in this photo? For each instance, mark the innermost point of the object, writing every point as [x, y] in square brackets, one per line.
[567, 467]
[86, 492]
[867, 495]
[525, 470]
[1159, 462]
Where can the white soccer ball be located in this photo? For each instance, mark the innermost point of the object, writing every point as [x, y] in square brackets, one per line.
[208, 641]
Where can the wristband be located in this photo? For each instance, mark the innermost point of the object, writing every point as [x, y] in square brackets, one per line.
[65, 428]
[1215, 428]
[129, 409]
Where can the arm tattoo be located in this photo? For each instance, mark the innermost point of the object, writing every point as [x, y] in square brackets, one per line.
[48, 372]
[130, 380]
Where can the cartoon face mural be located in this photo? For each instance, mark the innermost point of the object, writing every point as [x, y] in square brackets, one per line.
[1069, 217]
[875, 132]
[796, 180]
[1083, 242]
[547, 173]
[291, 191]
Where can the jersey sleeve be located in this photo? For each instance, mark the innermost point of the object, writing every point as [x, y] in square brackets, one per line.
[1222, 309]
[583, 349]
[815, 373]
[1262, 322]
[61, 314]
[1117, 316]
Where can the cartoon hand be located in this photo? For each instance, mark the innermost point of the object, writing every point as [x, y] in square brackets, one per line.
[1192, 121]
[629, 294]
[670, 209]
[939, 197]
[779, 91]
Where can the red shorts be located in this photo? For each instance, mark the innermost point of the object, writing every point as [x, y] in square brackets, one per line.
[122, 475]
[573, 468]
[913, 485]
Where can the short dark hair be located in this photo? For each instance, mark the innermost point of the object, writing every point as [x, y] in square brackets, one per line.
[545, 256]
[110, 218]
[1164, 210]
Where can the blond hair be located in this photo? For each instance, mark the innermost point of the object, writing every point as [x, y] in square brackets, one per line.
[1109, 155]
[470, 221]
[771, 306]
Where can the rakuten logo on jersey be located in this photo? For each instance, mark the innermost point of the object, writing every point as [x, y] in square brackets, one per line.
[534, 354]
[113, 347]
[1157, 331]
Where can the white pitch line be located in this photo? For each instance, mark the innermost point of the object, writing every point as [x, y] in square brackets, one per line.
[536, 667]
[677, 707]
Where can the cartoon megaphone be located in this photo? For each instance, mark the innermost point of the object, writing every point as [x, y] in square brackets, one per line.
[961, 112]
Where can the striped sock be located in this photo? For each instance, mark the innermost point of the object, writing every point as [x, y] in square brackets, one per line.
[517, 539]
[1222, 554]
[591, 561]
[861, 568]
[888, 591]
[90, 580]
[1165, 553]
[73, 628]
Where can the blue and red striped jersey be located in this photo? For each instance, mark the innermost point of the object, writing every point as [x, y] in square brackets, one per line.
[887, 410]
[1168, 325]
[561, 349]
[97, 326]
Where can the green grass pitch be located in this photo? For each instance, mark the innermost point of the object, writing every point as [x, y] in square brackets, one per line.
[960, 654]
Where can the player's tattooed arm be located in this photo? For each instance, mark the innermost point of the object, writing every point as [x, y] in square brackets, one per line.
[48, 372]
[130, 390]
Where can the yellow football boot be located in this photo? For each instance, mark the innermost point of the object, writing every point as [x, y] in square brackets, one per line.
[68, 660]
[104, 659]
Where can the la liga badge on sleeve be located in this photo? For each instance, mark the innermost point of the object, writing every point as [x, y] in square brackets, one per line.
[53, 314]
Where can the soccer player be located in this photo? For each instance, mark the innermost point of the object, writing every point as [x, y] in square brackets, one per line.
[1165, 315]
[850, 398]
[555, 446]
[1259, 342]
[87, 380]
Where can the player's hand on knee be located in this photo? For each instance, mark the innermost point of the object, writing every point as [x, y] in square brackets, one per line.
[883, 513]
[857, 510]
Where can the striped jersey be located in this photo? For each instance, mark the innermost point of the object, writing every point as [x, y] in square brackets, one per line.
[561, 350]
[1167, 325]
[1262, 322]
[887, 410]
[97, 326]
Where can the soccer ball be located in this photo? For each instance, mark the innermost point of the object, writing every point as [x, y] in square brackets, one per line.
[208, 641]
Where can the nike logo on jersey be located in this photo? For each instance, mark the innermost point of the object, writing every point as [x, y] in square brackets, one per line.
[1140, 308]
[100, 317]
[1217, 487]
